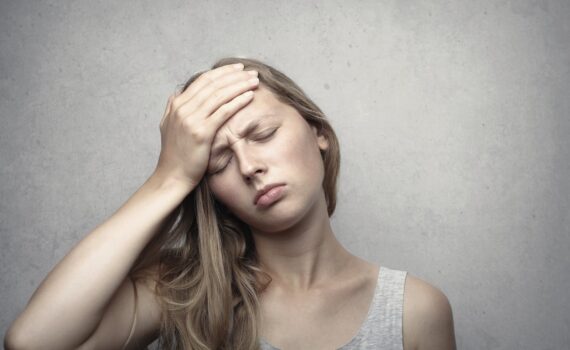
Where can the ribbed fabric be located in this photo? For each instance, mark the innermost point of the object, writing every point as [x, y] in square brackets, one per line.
[382, 328]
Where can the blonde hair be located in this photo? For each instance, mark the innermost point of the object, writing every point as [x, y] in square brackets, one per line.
[208, 277]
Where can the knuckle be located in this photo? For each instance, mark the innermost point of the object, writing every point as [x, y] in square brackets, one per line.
[198, 135]
[216, 84]
[208, 80]
[178, 114]
[225, 109]
[175, 103]
[217, 96]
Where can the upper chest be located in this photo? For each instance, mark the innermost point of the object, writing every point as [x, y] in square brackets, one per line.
[323, 319]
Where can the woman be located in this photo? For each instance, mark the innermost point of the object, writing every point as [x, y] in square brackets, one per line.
[228, 244]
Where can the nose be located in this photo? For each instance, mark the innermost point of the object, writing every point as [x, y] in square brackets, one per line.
[250, 162]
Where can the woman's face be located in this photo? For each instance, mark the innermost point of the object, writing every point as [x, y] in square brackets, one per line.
[282, 149]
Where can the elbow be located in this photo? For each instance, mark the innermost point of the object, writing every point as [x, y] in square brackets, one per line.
[17, 338]
[14, 341]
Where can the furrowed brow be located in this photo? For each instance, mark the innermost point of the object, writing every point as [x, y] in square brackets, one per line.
[250, 128]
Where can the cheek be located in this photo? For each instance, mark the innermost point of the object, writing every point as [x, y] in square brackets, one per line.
[305, 152]
[222, 190]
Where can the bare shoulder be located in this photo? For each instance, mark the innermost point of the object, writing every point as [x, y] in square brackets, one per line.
[428, 319]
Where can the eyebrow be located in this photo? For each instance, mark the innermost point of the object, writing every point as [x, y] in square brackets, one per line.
[248, 130]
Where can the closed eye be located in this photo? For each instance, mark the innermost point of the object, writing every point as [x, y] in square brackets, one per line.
[265, 135]
[261, 137]
[222, 169]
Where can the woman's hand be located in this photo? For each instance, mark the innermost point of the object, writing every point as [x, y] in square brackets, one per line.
[193, 117]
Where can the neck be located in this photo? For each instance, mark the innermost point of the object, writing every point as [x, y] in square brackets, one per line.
[304, 256]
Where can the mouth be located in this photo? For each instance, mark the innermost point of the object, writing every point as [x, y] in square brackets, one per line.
[268, 194]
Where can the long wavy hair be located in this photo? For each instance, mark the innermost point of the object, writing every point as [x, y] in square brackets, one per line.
[203, 259]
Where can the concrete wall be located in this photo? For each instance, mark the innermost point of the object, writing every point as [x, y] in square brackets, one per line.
[453, 118]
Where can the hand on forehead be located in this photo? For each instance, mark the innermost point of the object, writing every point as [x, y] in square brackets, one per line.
[263, 106]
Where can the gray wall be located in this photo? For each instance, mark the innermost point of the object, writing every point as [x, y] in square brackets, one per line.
[453, 118]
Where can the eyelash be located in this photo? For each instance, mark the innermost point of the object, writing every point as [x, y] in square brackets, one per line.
[263, 138]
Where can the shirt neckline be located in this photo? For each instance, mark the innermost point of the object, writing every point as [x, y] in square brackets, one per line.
[360, 331]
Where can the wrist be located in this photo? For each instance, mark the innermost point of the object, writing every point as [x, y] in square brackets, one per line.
[164, 181]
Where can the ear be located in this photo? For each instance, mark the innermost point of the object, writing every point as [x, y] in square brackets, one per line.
[321, 139]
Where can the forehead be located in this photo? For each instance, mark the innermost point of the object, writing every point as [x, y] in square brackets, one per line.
[264, 108]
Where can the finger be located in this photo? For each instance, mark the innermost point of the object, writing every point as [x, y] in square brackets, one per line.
[203, 80]
[207, 80]
[218, 97]
[227, 110]
[221, 91]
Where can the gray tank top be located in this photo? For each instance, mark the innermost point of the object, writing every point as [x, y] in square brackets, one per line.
[382, 328]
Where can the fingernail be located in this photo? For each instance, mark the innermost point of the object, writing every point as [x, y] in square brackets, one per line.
[252, 72]
[238, 66]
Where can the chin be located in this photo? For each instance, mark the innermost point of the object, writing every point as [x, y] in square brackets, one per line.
[281, 216]
[277, 225]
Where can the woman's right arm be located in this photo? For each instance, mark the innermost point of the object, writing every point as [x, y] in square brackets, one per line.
[87, 301]
[71, 302]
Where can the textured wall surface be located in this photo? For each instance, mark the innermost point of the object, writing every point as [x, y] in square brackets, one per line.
[453, 118]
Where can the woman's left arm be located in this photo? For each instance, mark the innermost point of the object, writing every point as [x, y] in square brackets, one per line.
[428, 319]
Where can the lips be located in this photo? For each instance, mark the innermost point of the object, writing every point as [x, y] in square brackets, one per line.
[265, 190]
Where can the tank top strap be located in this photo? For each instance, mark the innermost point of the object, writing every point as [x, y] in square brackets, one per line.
[382, 328]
